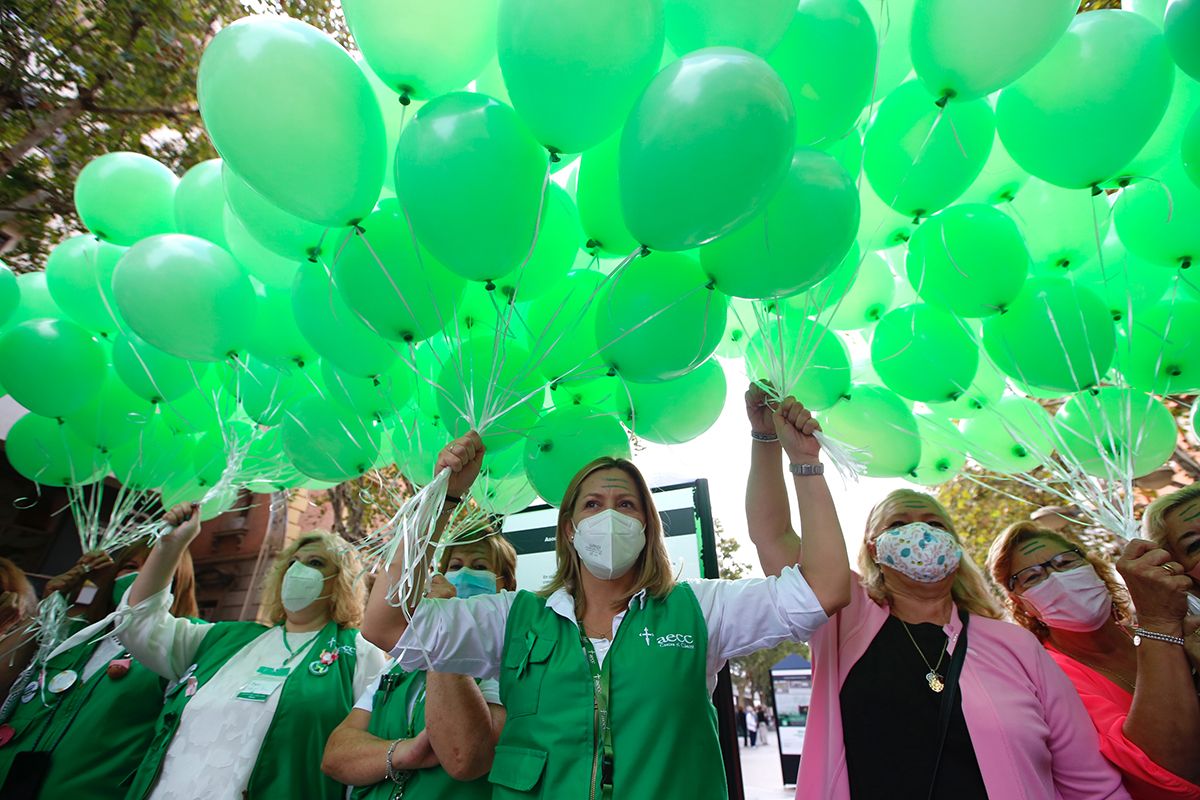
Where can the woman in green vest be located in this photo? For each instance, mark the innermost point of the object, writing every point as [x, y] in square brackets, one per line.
[83, 720]
[606, 674]
[430, 734]
[250, 705]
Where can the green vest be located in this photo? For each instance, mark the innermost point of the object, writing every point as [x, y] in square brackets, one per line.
[664, 725]
[97, 730]
[310, 707]
[389, 720]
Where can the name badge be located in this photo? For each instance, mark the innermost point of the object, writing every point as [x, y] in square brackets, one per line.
[259, 689]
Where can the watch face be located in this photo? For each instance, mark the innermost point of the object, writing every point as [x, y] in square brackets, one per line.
[1137, 640]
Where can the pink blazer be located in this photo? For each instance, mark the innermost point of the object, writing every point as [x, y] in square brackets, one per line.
[1032, 736]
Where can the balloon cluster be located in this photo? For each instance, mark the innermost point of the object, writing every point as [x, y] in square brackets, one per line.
[543, 221]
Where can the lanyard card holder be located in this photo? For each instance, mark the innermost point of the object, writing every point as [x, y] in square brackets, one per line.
[266, 682]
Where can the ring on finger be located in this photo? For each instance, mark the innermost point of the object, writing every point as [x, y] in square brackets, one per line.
[1170, 570]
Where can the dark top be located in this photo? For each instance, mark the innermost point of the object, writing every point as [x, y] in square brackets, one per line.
[890, 721]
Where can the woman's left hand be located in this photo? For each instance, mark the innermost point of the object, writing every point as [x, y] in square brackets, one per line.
[418, 754]
[1156, 585]
[464, 458]
[795, 426]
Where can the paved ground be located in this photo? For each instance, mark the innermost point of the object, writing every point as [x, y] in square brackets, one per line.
[760, 772]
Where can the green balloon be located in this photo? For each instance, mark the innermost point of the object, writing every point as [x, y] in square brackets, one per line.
[893, 25]
[1181, 24]
[267, 393]
[186, 296]
[1055, 335]
[607, 393]
[422, 49]
[257, 261]
[871, 295]
[327, 442]
[1115, 433]
[265, 467]
[395, 112]
[1159, 220]
[155, 454]
[920, 158]
[564, 441]
[847, 150]
[877, 422]
[827, 60]
[1061, 226]
[880, 226]
[418, 439]
[488, 386]
[79, 276]
[275, 338]
[987, 387]
[832, 288]
[1152, 10]
[393, 284]
[217, 448]
[113, 416]
[282, 233]
[1189, 149]
[968, 259]
[799, 357]
[125, 197]
[999, 180]
[36, 302]
[657, 319]
[799, 238]
[562, 327]
[10, 294]
[371, 398]
[52, 367]
[200, 202]
[470, 177]
[558, 239]
[600, 200]
[1109, 71]
[942, 452]
[965, 51]
[1161, 348]
[1128, 285]
[260, 82]
[757, 27]
[503, 496]
[657, 415]
[151, 373]
[1014, 436]
[332, 328]
[740, 325]
[574, 71]
[924, 353]
[1168, 138]
[212, 405]
[46, 452]
[688, 174]
[183, 488]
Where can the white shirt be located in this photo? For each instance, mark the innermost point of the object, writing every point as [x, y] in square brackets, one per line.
[751, 720]
[742, 616]
[217, 742]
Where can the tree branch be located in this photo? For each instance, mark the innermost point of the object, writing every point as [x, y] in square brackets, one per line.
[149, 111]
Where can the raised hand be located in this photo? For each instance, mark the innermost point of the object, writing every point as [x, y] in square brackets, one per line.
[1156, 585]
[184, 520]
[10, 610]
[758, 410]
[89, 563]
[795, 427]
[441, 588]
[464, 457]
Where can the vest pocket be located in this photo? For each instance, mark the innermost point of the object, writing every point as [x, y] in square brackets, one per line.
[517, 767]
[524, 669]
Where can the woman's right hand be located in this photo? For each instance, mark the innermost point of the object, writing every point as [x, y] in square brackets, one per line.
[67, 582]
[1156, 585]
[796, 428]
[464, 458]
[184, 520]
[758, 410]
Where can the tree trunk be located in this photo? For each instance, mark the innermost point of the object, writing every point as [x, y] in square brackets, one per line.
[41, 131]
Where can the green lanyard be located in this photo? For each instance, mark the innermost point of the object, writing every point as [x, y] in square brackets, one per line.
[602, 765]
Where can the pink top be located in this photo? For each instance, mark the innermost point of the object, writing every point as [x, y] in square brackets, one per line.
[1031, 733]
[1108, 705]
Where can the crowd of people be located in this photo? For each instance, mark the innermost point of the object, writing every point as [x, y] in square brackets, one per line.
[1053, 679]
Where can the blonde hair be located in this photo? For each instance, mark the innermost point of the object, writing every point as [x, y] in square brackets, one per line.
[500, 553]
[653, 566]
[969, 590]
[999, 564]
[349, 593]
[12, 579]
[1154, 518]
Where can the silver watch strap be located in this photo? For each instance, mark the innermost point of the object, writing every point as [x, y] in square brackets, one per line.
[806, 469]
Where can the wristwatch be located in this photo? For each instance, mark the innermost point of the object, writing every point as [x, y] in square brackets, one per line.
[1142, 633]
[806, 469]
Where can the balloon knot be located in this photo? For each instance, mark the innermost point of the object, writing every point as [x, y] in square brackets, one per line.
[554, 155]
[509, 292]
[643, 251]
[591, 246]
[545, 447]
[490, 286]
[312, 259]
[1174, 372]
[1185, 262]
[407, 337]
[920, 212]
[359, 229]
[1117, 316]
[612, 372]
[946, 97]
[405, 97]
[712, 284]
[1096, 190]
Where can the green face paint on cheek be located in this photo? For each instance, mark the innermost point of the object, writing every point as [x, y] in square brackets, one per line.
[1190, 513]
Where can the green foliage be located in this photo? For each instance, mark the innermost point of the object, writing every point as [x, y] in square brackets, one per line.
[84, 77]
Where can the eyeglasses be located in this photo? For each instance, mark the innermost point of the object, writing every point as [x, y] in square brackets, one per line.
[1032, 576]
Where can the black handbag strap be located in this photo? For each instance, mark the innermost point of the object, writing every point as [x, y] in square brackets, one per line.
[956, 662]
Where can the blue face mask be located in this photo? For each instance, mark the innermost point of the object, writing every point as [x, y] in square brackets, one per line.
[471, 582]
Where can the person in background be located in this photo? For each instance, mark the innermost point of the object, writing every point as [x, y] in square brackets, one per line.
[1173, 523]
[1142, 699]
[18, 605]
[607, 674]
[762, 724]
[251, 706]
[902, 705]
[752, 725]
[86, 718]
[742, 733]
[430, 735]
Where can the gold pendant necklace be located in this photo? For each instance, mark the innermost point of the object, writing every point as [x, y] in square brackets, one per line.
[933, 677]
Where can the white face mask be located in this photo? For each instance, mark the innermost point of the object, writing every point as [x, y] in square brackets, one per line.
[1075, 600]
[302, 586]
[609, 543]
